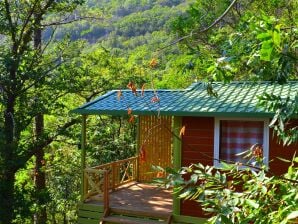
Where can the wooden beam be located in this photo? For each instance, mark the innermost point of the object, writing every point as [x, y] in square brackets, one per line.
[83, 156]
[177, 124]
[189, 219]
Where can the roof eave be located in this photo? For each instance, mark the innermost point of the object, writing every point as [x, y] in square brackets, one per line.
[175, 113]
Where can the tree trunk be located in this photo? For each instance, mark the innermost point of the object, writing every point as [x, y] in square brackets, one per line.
[7, 196]
[39, 178]
[7, 171]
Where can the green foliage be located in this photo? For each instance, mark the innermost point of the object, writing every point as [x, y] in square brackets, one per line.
[254, 41]
[236, 195]
[64, 176]
[110, 139]
[285, 110]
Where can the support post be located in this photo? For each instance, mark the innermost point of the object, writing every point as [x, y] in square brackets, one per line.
[106, 192]
[177, 124]
[83, 157]
[114, 175]
[138, 147]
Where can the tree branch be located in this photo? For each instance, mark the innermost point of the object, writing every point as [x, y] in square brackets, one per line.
[30, 13]
[65, 21]
[40, 145]
[203, 30]
[11, 25]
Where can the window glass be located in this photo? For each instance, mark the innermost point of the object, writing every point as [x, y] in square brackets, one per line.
[237, 136]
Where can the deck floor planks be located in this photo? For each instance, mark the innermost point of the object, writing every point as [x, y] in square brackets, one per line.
[139, 197]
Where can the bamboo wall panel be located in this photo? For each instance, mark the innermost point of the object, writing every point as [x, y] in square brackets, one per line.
[155, 139]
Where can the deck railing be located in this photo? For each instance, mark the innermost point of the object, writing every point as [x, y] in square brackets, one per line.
[106, 177]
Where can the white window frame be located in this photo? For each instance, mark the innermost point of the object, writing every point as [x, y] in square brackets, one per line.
[217, 120]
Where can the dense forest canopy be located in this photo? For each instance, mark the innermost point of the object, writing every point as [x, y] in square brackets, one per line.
[56, 55]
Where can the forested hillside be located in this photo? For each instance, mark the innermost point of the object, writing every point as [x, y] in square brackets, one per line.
[121, 20]
[132, 30]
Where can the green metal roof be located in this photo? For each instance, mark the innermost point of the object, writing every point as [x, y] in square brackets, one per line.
[235, 99]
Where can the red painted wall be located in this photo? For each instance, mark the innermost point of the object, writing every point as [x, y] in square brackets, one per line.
[198, 147]
[277, 149]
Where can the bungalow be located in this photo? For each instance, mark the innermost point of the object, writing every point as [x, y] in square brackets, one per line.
[216, 128]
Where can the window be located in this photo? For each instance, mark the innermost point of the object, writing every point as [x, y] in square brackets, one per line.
[233, 136]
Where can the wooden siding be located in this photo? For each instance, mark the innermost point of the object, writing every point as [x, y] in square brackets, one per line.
[197, 147]
[155, 138]
[198, 140]
[276, 149]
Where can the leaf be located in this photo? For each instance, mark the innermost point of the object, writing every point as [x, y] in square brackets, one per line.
[292, 215]
[251, 203]
[224, 219]
[265, 52]
[194, 178]
[131, 119]
[274, 120]
[153, 63]
[132, 87]
[142, 153]
[129, 111]
[284, 160]
[264, 189]
[276, 36]
[182, 131]
[263, 36]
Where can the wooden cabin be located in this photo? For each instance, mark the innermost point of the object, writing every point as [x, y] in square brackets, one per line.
[216, 128]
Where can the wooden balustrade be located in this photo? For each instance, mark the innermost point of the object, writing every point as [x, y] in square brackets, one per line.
[100, 179]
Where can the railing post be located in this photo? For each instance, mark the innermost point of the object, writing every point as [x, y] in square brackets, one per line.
[136, 168]
[106, 191]
[113, 176]
[106, 200]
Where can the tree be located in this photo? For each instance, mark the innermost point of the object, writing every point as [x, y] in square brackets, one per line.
[25, 74]
[228, 48]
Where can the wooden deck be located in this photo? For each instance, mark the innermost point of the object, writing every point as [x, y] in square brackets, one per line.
[134, 203]
[138, 197]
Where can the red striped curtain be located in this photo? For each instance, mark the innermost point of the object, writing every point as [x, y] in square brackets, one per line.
[237, 136]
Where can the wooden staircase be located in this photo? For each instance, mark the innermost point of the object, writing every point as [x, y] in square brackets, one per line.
[116, 215]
